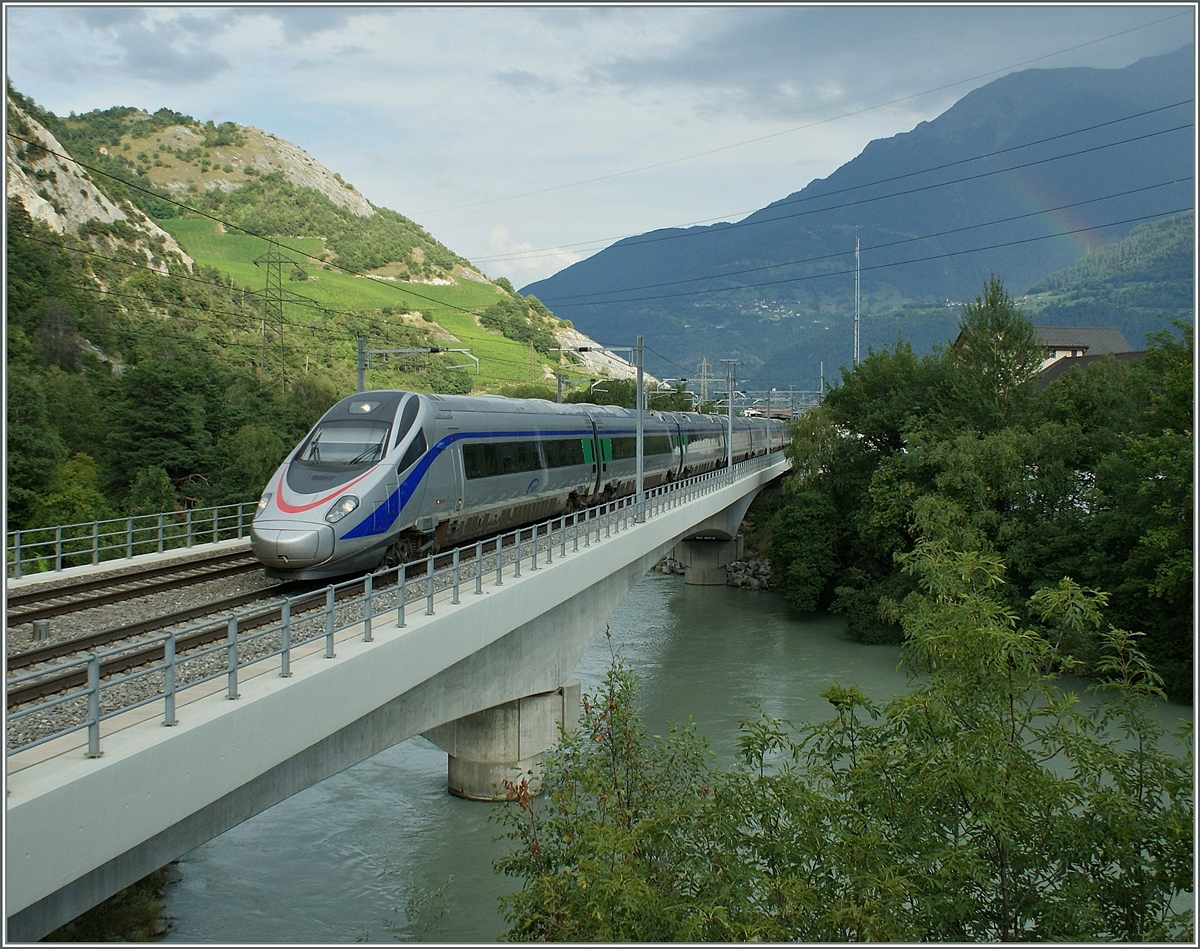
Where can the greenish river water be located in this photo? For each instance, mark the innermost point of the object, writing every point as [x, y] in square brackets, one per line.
[348, 859]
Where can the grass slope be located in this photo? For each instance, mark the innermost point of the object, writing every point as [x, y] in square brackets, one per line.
[453, 307]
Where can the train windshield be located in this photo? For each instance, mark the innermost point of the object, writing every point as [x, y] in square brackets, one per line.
[346, 442]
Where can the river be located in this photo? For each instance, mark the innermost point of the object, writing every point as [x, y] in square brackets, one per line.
[382, 853]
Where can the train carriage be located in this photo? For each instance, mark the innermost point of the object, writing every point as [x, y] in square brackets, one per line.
[388, 475]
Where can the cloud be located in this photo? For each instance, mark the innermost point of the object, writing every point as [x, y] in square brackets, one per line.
[524, 81]
[790, 63]
[520, 261]
[301, 23]
[175, 49]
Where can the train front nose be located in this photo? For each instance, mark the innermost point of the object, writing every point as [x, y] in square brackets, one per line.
[288, 546]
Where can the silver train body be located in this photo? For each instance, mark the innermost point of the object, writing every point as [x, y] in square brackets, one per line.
[388, 475]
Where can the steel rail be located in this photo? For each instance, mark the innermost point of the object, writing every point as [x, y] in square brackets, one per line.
[119, 595]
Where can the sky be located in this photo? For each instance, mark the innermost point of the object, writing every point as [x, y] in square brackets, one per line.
[528, 137]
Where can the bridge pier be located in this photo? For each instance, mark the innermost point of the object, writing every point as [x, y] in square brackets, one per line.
[506, 741]
[704, 559]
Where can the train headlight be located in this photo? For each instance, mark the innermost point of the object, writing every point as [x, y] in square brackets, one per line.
[263, 502]
[345, 504]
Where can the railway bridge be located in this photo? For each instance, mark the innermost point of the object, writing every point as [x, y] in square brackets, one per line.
[481, 667]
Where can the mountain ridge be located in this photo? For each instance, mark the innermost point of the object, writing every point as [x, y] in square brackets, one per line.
[922, 203]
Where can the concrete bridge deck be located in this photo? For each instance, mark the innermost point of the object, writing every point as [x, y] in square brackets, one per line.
[80, 829]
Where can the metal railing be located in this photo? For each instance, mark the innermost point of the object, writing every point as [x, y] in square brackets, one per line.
[387, 594]
[43, 549]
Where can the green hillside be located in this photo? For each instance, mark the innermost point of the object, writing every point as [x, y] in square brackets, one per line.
[351, 258]
[134, 386]
[1131, 284]
[343, 303]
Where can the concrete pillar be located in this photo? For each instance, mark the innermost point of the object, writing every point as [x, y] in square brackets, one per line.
[704, 560]
[505, 741]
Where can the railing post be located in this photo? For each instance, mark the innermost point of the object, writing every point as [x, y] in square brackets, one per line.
[517, 561]
[478, 568]
[95, 541]
[241, 513]
[58, 548]
[549, 542]
[233, 659]
[500, 561]
[575, 533]
[189, 527]
[562, 534]
[533, 559]
[129, 537]
[216, 526]
[169, 681]
[367, 590]
[454, 597]
[285, 639]
[93, 728]
[587, 528]
[329, 653]
[429, 586]
[401, 590]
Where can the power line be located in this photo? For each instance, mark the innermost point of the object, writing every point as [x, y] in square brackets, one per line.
[532, 255]
[269, 240]
[899, 263]
[751, 222]
[896, 243]
[800, 128]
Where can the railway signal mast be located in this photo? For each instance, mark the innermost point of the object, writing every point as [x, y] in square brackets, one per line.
[857, 314]
[364, 358]
[638, 352]
[730, 378]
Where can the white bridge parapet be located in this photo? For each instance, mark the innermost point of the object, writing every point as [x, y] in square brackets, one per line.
[80, 829]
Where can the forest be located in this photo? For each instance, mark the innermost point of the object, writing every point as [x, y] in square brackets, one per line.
[1089, 477]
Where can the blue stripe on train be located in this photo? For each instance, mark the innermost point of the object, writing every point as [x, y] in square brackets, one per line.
[384, 516]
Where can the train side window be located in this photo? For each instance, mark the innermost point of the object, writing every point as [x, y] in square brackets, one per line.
[479, 461]
[563, 452]
[500, 458]
[415, 451]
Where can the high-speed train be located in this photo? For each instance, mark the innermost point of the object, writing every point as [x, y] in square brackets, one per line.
[388, 475]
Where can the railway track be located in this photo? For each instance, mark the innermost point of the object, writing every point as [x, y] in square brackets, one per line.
[141, 653]
[75, 597]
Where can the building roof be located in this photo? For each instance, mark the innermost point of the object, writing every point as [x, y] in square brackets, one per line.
[1067, 363]
[1093, 340]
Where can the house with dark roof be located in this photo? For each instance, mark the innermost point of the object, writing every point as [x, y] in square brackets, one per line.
[1067, 342]
[1075, 347]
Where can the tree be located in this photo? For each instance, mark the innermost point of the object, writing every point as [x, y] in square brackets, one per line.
[599, 855]
[995, 360]
[158, 421]
[1089, 478]
[248, 459]
[33, 447]
[804, 559]
[983, 804]
[74, 495]
[307, 400]
[152, 492]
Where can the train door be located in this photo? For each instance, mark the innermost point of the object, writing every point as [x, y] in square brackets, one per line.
[592, 456]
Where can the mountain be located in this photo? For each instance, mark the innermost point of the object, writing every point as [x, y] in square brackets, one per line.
[1133, 284]
[63, 196]
[936, 210]
[184, 300]
[150, 169]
